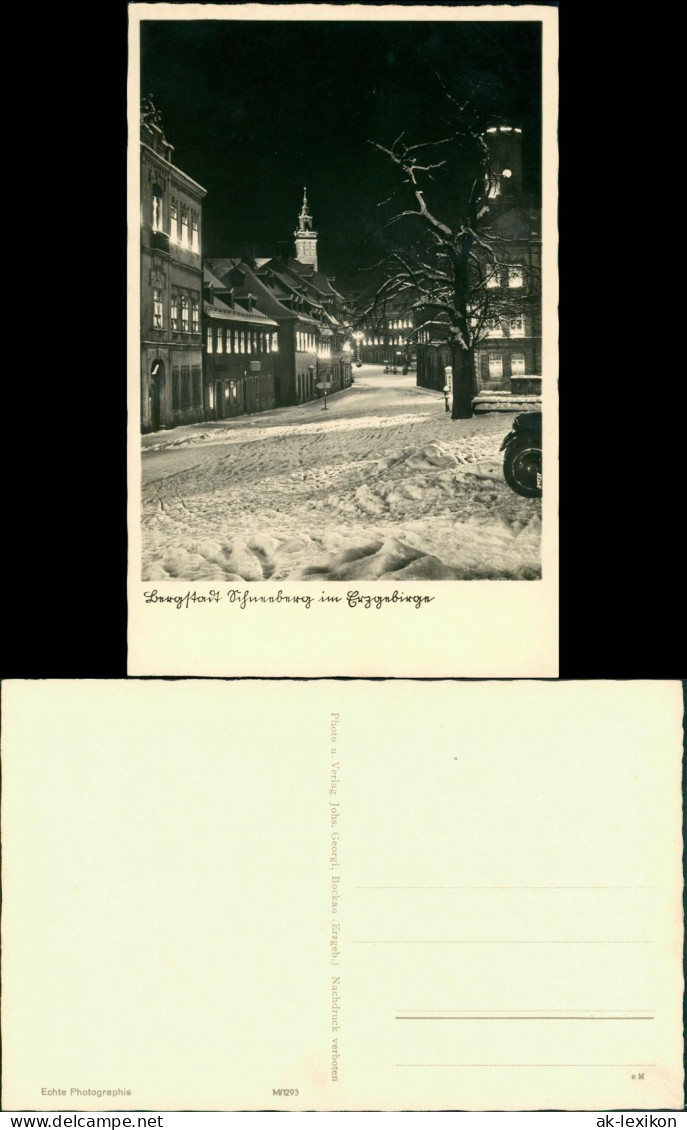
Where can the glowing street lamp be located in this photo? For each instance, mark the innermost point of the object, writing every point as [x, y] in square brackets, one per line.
[358, 337]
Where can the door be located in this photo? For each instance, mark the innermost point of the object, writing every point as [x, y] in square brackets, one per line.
[155, 393]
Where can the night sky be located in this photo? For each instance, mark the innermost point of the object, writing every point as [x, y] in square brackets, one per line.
[256, 110]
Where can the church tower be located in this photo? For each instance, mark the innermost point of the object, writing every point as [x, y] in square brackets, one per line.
[306, 238]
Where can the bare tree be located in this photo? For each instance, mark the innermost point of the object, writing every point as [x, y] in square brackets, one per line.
[442, 256]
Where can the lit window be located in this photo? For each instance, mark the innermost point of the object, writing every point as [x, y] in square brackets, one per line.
[209, 340]
[157, 307]
[174, 221]
[495, 366]
[268, 342]
[247, 342]
[517, 364]
[242, 341]
[220, 340]
[494, 188]
[515, 276]
[184, 226]
[157, 208]
[194, 233]
[517, 327]
[493, 280]
[174, 311]
[495, 329]
[254, 339]
[230, 341]
[195, 315]
[184, 313]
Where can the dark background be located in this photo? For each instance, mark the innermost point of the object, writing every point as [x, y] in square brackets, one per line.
[64, 552]
[257, 110]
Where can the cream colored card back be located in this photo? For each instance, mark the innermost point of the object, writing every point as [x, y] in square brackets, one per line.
[338, 895]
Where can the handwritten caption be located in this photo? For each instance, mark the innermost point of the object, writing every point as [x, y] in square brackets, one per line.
[243, 599]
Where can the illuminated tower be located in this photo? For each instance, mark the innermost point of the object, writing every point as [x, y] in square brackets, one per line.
[306, 237]
[505, 151]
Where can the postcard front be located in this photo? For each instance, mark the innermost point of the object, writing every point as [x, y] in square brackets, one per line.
[343, 342]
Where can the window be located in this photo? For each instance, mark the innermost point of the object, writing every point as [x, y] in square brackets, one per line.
[194, 233]
[184, 313]
[157, 307]
[247, 342]
[174, 221]
[208, 345]
[157, 208]
[185, 387]
[174, 310]
[254, 340]
[517, 364]
[495, 366]
[495, 329]
[493, 280]
[230, 341]
[515, 276]
[176, 388]
[195, 314]
[242, 342]
[517, 326]
[184, 225]
[220, 340]
[268, 342]
[197, 386]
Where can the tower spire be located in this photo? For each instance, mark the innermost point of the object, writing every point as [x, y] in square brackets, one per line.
[306, 236]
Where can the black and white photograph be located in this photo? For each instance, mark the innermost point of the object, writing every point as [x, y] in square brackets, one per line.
[343, 358]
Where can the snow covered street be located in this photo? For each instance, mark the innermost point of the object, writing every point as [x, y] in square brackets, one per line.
[383, 485]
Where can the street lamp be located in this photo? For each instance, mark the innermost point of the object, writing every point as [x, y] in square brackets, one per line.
[358, 337]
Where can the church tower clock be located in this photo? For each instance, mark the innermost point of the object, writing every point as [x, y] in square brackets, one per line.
[306, 238]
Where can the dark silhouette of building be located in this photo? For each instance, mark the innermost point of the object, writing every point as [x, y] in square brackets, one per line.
[171, 284]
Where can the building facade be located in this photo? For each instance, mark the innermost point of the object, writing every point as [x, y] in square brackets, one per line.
[171, 284]
[312, 343]
[387, 339]
[240, 347]
[508, 353]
